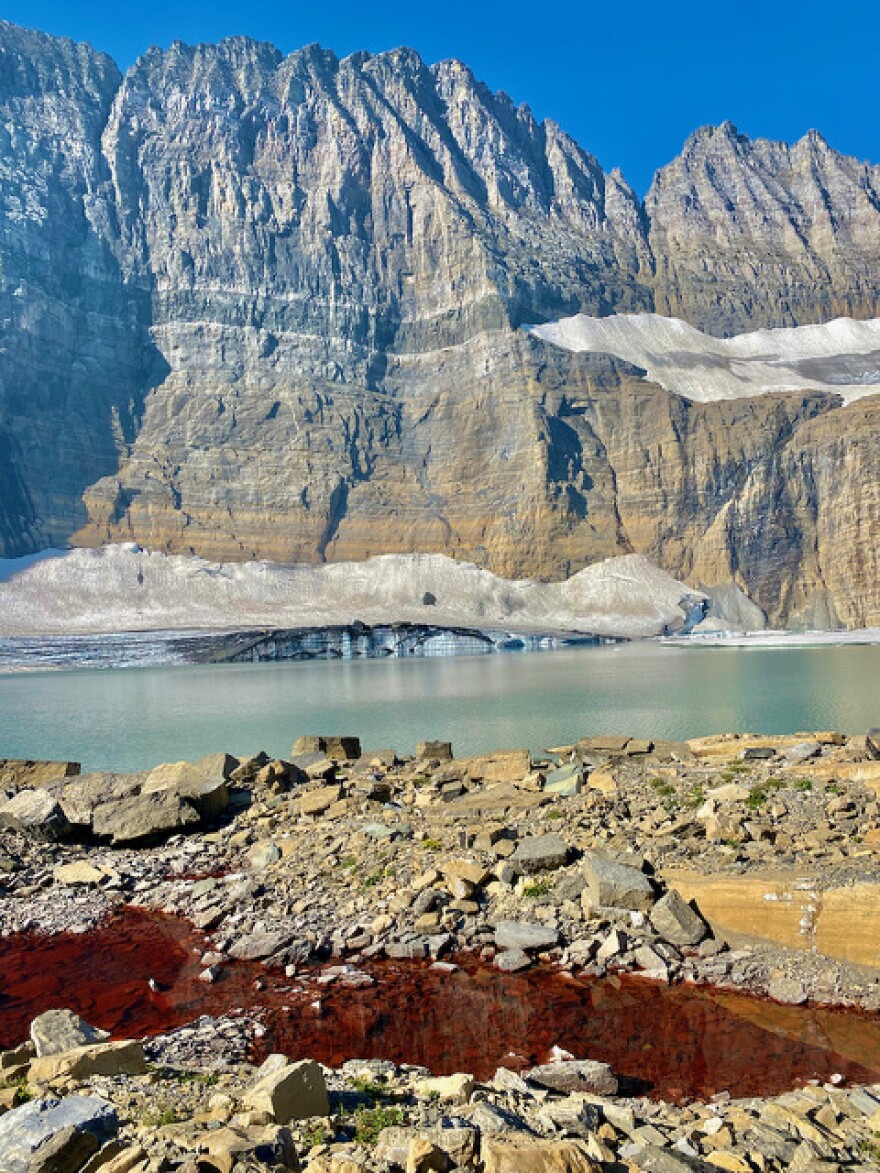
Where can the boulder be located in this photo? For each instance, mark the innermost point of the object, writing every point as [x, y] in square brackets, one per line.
[25, 1129]
[229, 1149]
[78, 797]
[65, 1152]
[316, 802]
[440, 751]
[122, 1058]
[512, 961]
[295, 1091]
[20, 774]
[617, 885]
[676, 921]
[35, 812]
[540, 853]
[576, 1075]
[308, 744]
[144, 816]
[57, 1031]
[502, 1154]
[506, 766]
[565, 782]
[202, 783]
[342, 749]
[517, 935]
[78, 872]
[259, 945]
[456, 1089]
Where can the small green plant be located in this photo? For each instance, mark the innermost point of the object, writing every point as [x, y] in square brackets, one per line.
[432, 845]
[348, 862]
[697, 796]
[420, 780]
[22, 1092]
[372, 880]
[805, 784]
[661, 787]
[556, 813]
[834, 788]
[160, 1116]
[318, 1135]
[537, 889]
[368, 1087]
[871, 1149]
[369, 1122]
[756, 798]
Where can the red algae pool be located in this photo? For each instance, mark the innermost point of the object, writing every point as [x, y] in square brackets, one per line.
[676, 1042]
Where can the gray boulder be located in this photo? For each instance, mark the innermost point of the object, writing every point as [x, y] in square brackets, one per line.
[511, 934]
[617, 885]
[36, 812]
[676, 921]
[576, 1075]
[25, 1129]
[144, 816]
[58, 1031]
[540, 853]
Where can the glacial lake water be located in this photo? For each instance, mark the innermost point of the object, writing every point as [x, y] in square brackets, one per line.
[128, 719]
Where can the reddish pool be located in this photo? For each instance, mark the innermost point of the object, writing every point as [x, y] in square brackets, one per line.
[678, 1042]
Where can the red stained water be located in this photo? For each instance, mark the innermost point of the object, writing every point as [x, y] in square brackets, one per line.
[679, 1042]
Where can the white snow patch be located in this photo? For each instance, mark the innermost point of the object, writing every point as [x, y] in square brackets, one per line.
[124, 588]
[841, 357]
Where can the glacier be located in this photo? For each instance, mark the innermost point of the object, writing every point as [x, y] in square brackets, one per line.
[124, 588]
[841, 357]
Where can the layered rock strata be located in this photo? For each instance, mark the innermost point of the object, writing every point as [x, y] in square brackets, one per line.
[258, 306]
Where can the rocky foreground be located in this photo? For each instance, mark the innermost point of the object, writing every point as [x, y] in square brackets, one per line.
[317, 867]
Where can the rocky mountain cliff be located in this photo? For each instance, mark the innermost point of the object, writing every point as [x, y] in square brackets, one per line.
[256, 306]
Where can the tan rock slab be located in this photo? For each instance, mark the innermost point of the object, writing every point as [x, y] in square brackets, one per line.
[122, 1058]
[505, 766]
[536, 1156]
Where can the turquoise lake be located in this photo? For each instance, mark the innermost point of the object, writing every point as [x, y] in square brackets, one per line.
[127, 719]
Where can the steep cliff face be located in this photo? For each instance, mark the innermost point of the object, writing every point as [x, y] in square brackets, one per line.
[257, 306]
[748, 234]
[74, 355]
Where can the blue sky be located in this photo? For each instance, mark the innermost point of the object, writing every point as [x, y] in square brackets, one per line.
[630, 81]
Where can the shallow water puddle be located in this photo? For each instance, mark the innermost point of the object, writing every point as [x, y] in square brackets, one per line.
[676, 1042]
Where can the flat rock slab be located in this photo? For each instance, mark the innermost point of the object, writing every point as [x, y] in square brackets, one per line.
[316, 802]
[508, 766]
[511, 934]
[506, 1155]
[20, 774]
[57, 1031]
[260, 945]
[617, 885]
[122, 1058]
[24, 1129]
[576, 1075]
[540, 853]
[144, 816]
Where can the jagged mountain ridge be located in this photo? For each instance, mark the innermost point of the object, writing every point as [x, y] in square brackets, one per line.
[267, 306]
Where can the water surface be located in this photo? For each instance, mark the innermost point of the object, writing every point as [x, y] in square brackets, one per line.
[677, 1041]
[127, 719]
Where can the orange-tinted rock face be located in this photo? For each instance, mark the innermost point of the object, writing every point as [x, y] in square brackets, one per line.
[675, 1042]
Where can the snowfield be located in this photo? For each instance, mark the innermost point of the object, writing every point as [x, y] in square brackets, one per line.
[841, 357]
[124, 588]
